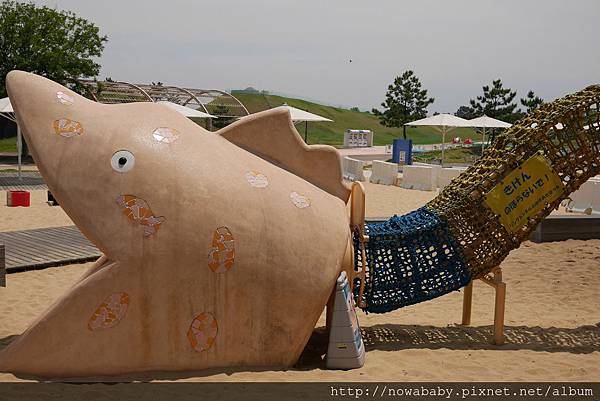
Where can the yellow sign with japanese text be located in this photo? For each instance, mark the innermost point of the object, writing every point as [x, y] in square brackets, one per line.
[524, 192]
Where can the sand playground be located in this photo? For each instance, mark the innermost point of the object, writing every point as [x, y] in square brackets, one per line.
[552, 315]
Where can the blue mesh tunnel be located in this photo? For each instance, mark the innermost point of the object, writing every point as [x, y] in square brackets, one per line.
[409, 259]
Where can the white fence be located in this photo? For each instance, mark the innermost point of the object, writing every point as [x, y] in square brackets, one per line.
[384, 173]
[419, 176]
[586, 199]
[423, 178]
[448, 174]
[353, 169]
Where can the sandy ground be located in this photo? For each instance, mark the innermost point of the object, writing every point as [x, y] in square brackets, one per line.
[387, 200]
[38, 215]
[14, 167]
[381, 201]
[552, 316]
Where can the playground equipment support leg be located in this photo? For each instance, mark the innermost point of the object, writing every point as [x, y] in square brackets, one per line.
[467, 302]
[499, 304]
[499, 314]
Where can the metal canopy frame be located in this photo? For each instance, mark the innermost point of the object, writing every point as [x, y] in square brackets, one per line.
[11, 117]
[212, 101]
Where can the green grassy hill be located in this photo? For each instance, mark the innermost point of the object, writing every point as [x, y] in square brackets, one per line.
[330, 133]
[8, 144]
[343, 119]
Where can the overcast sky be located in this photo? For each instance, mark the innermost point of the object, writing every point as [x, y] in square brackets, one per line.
[304, 47]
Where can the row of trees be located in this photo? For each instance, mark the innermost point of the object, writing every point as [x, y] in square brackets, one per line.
[499, 102]
[406, 101]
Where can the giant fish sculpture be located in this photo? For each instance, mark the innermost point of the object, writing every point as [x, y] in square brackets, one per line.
[214, 256]
[221, 249]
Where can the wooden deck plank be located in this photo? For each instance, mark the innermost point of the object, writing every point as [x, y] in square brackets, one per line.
[33, 249]
[30, 181]
[2, 267]
[69, 240]
[16, 256]
[46, 251]
[49, 243]
[45, 247]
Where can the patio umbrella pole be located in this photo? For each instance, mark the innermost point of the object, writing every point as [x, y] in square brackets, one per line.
[483, 141]
[19, 148]
[483, 123]
[306, 132]
[443, 144]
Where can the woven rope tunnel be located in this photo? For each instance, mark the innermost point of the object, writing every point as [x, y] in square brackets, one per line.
[487, 211]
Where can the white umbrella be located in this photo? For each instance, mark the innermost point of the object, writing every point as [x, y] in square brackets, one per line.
[6, 106]
[303, 116]
[487, 122]
[443, 123]
[186, 111]
[7, 111]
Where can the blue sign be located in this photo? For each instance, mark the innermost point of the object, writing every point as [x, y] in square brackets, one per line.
[402, 152]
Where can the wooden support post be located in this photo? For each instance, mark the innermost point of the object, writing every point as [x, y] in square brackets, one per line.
[357, 206]
[500, 300]
[499, 303]
[467, 303]
[499, 314]
[357, 220]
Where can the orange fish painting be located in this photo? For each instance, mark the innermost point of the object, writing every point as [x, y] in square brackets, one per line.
[138, 210]
[222, 253]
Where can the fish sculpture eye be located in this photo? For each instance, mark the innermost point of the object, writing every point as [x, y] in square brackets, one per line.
[122, 161]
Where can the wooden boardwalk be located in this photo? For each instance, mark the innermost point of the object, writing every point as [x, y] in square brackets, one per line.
[46, 247]
[30, 180]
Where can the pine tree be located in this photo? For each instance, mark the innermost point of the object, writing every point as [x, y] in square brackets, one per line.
[405, 101]
[496, 102]
[221, 111]
[531, 102]
[465, 112]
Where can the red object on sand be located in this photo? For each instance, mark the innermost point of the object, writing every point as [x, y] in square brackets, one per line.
[18, 198]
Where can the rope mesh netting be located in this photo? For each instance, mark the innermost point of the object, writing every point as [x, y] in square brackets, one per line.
[457, 237]
[412, 258]
[565, 132]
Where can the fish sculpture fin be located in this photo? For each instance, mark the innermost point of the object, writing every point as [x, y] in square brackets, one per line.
[271, 135]
[98, 265]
